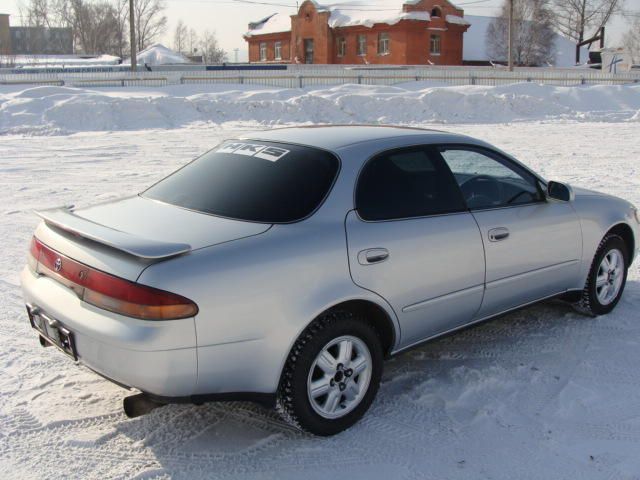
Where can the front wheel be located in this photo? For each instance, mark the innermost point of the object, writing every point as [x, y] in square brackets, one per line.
[607, 277]
[332, 374]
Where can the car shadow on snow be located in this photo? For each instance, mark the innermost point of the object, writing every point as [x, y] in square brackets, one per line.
[513, 365]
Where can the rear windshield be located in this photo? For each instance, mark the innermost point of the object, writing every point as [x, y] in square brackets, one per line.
[252, 180]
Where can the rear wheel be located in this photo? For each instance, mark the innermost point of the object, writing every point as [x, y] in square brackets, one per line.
[332, 374]
[607, 277]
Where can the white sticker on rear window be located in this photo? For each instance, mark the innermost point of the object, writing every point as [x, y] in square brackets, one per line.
[254, 150]
[250, 149]
[272, 153]
[230, 147]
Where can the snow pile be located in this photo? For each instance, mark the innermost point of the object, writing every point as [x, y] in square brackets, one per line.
[158, 54]
[47, 110]
[455, 19]
[276, 23]
[346, 17]
[23, 61]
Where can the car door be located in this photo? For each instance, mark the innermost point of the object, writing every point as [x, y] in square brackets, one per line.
[532, 245]
[412, 241]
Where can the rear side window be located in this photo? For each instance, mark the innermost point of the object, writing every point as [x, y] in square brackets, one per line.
[252, 180]
[406, 183]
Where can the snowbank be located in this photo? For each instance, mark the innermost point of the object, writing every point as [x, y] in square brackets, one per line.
[51, 110]
[158, 54]
[60, 60]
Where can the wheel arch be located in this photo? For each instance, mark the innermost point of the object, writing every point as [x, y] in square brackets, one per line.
[625, 232]
[380, 316]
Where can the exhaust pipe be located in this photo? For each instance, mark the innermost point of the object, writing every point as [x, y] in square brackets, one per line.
[138, 405]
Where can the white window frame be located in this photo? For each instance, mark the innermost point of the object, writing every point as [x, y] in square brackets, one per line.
[361, 48]
[263, 51]
[277, 48]
[384, 43]
[435, 40]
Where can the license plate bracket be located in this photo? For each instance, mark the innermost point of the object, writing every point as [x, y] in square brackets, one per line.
[52, 332]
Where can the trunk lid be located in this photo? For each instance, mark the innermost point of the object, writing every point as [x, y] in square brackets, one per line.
[123, 237]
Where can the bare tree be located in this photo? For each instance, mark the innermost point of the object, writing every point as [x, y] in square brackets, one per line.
[96, 26]
[41, 14]
[576, 18]
[533, 35]
[631, 41]
[193, 41]
[122, 28]
[210, 49]
[180, 37]
[150, 21]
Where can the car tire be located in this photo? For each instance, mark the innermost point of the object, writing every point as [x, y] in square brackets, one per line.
[607, 277]
[327, 385]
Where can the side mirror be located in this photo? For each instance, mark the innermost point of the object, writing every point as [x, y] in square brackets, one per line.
[560, 191]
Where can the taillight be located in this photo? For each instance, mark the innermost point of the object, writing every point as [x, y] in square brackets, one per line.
[34, 254]
[108, 291]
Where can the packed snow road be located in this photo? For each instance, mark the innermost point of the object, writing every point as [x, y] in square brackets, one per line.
[540, 393]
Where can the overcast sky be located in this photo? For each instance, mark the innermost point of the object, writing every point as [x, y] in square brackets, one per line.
[229, 18]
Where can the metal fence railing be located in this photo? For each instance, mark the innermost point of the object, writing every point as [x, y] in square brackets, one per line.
[300, 76]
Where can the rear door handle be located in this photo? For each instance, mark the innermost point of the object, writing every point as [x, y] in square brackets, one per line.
[372, 255]
[498, 234]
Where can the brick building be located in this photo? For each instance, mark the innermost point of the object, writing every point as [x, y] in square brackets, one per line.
[34, 40]
[420, 32]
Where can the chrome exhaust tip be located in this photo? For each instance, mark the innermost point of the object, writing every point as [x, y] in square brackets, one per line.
[138, 405]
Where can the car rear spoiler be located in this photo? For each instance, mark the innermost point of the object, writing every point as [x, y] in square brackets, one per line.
[65, 219]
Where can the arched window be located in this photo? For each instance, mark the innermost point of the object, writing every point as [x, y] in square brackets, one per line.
[435, 12]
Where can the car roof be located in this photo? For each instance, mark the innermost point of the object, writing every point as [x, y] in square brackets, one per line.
[335, 137]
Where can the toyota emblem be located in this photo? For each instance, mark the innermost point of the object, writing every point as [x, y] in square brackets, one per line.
[58, 264]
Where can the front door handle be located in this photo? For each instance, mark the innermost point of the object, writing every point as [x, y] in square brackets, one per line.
[498, 234]
[372, 255]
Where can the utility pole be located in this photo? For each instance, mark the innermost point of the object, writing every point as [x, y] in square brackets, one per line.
[132, 39]
[511, 35]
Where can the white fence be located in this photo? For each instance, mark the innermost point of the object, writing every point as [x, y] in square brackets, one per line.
[299, 76]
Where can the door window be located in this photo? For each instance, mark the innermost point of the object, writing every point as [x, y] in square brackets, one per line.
[308, 50]
[406, 183]
[487, 180]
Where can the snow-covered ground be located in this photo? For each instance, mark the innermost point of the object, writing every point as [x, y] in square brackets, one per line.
[541, 393]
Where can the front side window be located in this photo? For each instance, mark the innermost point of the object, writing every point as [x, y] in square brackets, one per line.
[263, 51]
[342, 46]
[406, 183]
[487, 180]
[383, 43]
[435, 44]
[362, 44]
[249, 180]
[278, 50]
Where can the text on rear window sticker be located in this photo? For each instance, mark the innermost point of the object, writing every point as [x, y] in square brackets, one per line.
[254, 150]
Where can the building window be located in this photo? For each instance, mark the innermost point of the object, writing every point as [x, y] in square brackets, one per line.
[362, 45]
[436, 12]
[278, 50]
[342, 46]
[383, 43]
[263, 51]
[435, 44]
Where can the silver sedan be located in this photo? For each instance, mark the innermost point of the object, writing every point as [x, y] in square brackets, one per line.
[284, 267]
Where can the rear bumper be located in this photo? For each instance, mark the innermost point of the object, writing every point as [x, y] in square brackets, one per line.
[156, 357]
